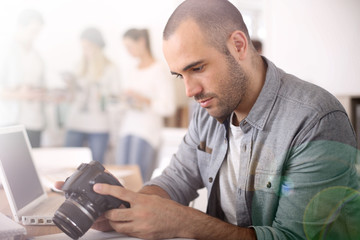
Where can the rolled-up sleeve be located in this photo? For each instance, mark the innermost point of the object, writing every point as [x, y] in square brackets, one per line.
[181, 179]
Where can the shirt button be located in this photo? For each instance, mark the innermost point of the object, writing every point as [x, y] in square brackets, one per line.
[244, 148]
[268, 185]
[210, 179]
[225, 140]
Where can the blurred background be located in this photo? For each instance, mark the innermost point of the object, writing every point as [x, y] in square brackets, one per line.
[317, 41]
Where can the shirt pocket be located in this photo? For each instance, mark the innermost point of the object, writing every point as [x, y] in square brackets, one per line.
[268, 182]
[203, 157]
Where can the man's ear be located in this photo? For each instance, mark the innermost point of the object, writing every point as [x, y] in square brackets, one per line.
[239, 44]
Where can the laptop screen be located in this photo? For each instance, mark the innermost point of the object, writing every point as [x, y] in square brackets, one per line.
[19, 168]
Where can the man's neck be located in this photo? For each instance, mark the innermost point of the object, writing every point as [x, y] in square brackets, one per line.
[257, 75]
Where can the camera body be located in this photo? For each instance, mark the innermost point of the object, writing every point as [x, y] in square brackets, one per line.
[82, 205]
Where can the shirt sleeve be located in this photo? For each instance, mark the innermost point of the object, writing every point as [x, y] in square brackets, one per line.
[319, 193]
[181, 179]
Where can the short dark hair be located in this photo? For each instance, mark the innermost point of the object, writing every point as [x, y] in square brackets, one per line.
[136, 34]
[216, 18]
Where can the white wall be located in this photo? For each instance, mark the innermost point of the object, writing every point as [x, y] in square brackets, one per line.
[317, 40]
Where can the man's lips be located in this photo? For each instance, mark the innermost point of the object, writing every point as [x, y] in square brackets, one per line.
[205, 102]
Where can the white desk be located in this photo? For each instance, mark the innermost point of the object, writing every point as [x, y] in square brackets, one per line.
[92, 235]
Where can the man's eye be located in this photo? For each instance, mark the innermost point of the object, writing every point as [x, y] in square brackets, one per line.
[197, 69]
[179, 76]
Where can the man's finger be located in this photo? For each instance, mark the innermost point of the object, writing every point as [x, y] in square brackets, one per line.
[102, 224]
[127, 228]
[115, 191]
[59, 185]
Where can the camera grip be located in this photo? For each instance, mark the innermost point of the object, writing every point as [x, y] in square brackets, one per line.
[110, 179]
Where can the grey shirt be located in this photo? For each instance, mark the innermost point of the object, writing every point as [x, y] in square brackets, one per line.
[298, 157]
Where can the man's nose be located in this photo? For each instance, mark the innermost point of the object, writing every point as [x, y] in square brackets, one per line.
[192, 87]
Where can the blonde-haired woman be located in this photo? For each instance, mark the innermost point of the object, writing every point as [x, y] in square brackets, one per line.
[96, 83]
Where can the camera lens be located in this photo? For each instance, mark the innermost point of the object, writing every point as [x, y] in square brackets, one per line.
[75, 216]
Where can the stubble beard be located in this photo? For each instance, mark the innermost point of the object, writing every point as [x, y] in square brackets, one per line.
[234, 88]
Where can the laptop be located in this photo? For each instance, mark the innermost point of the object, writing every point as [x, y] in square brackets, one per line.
[29, 203]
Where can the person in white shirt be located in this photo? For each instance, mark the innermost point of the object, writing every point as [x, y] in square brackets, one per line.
[149, 92]
[22, 86]
[92, 91]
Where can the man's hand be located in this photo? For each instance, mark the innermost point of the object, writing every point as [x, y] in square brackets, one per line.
[155, 217]
[150, 216]
[59, 184]
[102, 224]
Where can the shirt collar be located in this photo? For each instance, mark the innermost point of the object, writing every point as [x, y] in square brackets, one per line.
[260, 112]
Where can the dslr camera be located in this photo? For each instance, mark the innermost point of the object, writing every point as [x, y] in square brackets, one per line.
[82, 205]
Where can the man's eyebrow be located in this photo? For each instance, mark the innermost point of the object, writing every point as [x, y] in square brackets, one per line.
[188, 67]
[192, 65]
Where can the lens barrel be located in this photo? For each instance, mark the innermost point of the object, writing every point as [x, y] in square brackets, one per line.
[75, 216]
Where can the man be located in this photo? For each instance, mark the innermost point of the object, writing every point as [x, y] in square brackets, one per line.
[276, 154]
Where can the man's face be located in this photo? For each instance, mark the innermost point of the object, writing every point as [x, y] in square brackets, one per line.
[215, 80]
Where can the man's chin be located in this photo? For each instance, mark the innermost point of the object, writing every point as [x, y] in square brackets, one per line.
[218, 116]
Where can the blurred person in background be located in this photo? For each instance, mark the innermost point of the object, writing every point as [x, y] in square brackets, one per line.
[150, 96]
[92, 90]
[22, 84]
